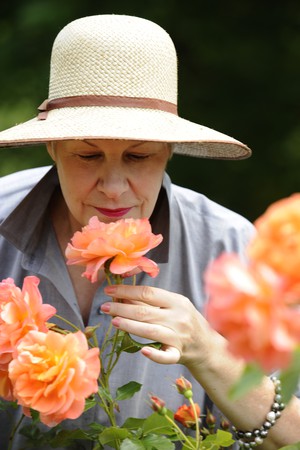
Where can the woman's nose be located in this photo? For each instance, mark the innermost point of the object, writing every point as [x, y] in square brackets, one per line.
[112, 182]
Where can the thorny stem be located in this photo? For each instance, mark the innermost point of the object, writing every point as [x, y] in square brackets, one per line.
[118, 280]
[106, 408]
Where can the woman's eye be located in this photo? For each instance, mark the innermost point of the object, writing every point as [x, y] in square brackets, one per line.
[89, 157]
[137, 156]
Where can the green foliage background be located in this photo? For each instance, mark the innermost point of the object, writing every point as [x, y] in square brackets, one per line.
[239, 72]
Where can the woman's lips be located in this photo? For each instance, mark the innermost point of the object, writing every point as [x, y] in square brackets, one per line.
[118, 212]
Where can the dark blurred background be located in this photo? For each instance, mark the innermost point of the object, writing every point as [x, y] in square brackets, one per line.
[239, 72]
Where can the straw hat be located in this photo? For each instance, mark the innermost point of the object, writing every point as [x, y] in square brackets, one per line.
[115, 77]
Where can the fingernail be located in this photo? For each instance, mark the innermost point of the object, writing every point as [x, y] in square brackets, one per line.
[105, 307]
[116, 322]
[146, 351]
[110, 289]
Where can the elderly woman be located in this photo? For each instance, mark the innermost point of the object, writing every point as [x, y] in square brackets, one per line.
[111, 125]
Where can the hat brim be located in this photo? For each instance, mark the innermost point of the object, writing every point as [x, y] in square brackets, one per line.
[188, 138]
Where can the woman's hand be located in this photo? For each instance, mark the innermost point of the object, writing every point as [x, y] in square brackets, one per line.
[163, 316]
[171, 319]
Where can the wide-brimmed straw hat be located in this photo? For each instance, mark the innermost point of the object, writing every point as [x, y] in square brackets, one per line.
[115, 77]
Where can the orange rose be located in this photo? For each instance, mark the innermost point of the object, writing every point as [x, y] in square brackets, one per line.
[20, 312]
[124, 241]
[185, 415]
[277, 242]
[247, 307]
[53, 374]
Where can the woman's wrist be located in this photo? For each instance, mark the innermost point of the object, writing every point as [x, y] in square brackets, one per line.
[250, 439]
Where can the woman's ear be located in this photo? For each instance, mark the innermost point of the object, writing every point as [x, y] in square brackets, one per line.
[51, 150]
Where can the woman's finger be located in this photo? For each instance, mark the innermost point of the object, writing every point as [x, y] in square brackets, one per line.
[169, 355]
[150, 331]
[146, 294]
[139, 312]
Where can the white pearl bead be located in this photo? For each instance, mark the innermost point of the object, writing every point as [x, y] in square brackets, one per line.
[271, 416]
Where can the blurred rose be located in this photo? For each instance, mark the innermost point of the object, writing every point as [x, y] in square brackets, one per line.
[20, 312]
[246, 305]
[124, 241]
[277, 242]
[186, 416]
[54, 374]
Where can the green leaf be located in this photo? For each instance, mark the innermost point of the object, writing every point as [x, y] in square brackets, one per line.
[155, 423]
[250, 378]
[35, 416]
[128, 390]
[64, 438]
[152, 441]
[55, 437]
[132, 423]
[96, 427]
[129, 345]
[132, 444]
[221, 439]
[112, 434]
[290, 377]
[191, 442]
[105, 394]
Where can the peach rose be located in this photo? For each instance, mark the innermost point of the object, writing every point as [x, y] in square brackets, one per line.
[53, 374]
[124, 242]
[247, 307]
[20, 312]
[186, 416]
[277, 242]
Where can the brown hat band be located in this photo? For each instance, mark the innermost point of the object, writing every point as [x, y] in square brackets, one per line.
[105, 100]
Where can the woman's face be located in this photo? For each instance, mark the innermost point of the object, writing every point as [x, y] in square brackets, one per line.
[111, 179]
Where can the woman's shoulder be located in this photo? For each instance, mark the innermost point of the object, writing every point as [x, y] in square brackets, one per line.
[198, 203]
[201, 216]
[213, 226]
[15, 186]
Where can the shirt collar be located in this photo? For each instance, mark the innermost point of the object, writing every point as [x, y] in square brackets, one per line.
[24, 224]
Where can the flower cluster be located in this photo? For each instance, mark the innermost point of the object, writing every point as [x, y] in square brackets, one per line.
[254, 304]
[21, 311]
[40, 369]
[189, 417]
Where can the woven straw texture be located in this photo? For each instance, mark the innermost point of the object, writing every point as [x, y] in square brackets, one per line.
[117, 55]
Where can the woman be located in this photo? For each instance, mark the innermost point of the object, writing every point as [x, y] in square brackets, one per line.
[111, 125]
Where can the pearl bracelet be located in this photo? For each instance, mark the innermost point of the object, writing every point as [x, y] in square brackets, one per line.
[251, 439]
